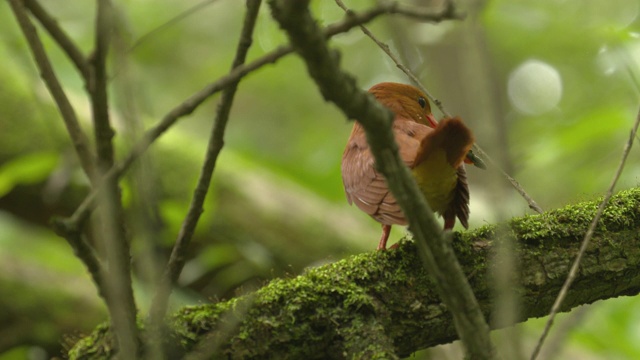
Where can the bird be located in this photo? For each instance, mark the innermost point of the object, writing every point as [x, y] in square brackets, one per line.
[433, 150]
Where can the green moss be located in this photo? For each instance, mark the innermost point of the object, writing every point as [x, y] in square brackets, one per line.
[98, 345]
[349, 306]
[341, 290]
[572, 221]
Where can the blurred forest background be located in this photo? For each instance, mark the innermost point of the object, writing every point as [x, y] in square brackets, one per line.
[549, 87]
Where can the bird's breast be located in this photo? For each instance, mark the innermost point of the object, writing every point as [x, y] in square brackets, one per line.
[437, 180]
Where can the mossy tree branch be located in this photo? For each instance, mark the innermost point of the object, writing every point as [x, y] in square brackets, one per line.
[331, 311]
[433, 245]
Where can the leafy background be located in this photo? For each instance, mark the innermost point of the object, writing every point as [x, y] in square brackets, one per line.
[549, 88]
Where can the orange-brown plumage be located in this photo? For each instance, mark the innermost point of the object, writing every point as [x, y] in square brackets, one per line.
[434, 151]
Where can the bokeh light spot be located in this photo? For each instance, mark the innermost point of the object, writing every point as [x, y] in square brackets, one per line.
[534, 87]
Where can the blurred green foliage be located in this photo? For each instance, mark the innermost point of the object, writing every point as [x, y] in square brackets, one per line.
[277, 204]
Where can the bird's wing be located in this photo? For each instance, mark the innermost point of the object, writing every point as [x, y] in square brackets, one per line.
[366, 187]
[459, 206]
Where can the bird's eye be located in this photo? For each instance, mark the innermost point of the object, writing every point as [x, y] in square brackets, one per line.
[422, 101]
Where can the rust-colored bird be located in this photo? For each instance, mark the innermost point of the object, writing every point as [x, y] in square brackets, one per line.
[434, 151]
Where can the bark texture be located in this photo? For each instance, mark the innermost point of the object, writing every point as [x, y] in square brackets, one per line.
[383, 304]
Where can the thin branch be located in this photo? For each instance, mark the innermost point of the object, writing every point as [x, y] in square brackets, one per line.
[514, 183]
[587, 238]
[184, 14]
[98, 89]
[110, 228]
[82, 248]
[563, 332]
[84, 251]
[216, 142]
[448, 11]
[59, 36]
[194, 101]
[78, 137]
[436, 252]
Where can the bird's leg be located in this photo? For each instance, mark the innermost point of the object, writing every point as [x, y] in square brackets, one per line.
[449, 221]
[382, 245]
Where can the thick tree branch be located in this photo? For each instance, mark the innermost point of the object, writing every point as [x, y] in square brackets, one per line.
[340, 88]
[323, 313]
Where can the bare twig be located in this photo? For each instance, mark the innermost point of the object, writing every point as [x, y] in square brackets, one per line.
[216, 142]
[587, 238]
[98, 89]
[194, 101]
[85, 252]
[78, 137]
[419, 15]
[184, 14]
[435, 250]
[110, 229]
[563, 331]
[57, 33]
[514, 183]
[81, 247]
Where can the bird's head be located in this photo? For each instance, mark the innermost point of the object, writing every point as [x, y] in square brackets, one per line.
[405, 101]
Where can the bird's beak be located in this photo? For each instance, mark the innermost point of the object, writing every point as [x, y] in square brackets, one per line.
[432, 121]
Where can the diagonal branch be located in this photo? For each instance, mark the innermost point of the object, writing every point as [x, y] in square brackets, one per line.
[57, 33]
[435, 250]
[78, 138]
[179, 17]
[573, 272]
[387, 50]
[216, 142]
[85, 252]
[81, 247]
[189, 105]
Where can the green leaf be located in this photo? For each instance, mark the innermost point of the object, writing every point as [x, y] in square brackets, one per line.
[27, 169]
